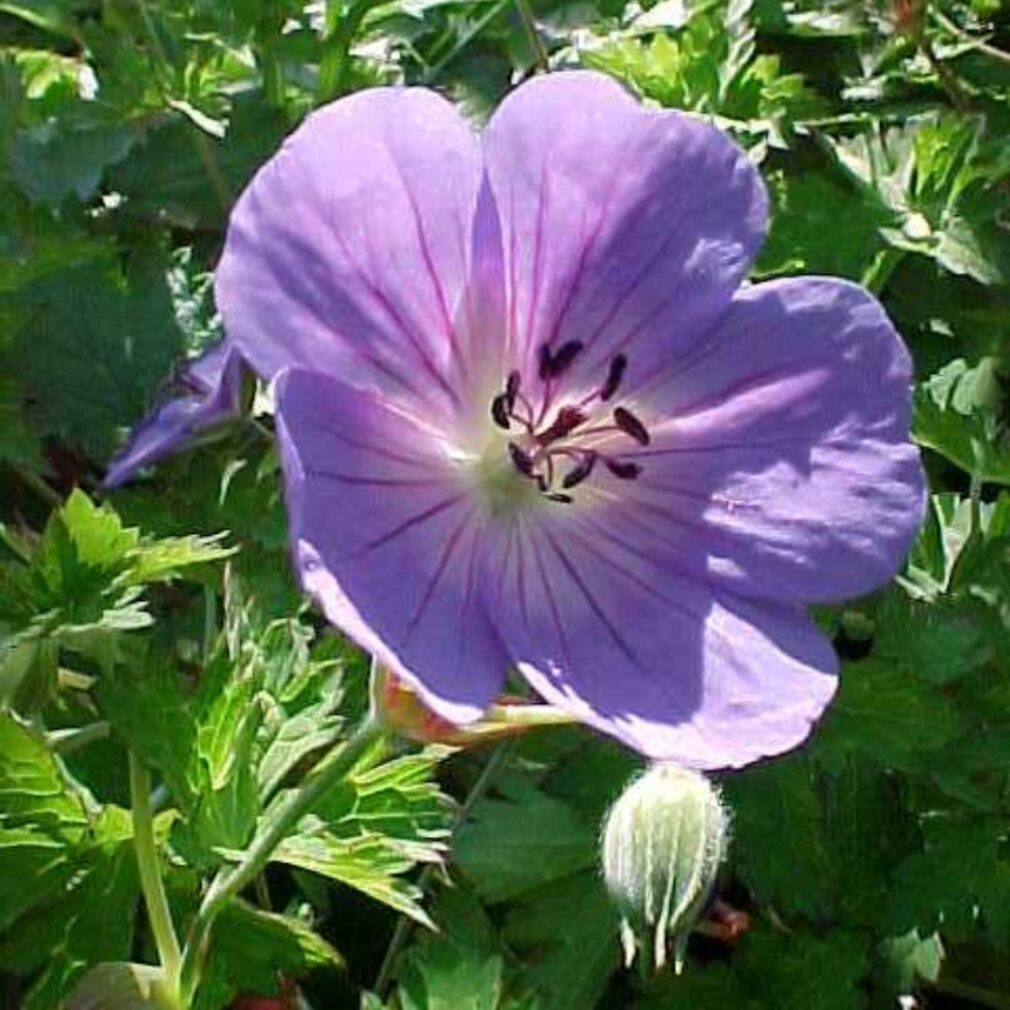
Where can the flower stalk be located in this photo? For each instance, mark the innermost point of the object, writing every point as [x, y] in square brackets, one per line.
[229, 882]
[151, 884]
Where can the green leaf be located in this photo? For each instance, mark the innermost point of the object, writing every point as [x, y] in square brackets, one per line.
[19, 445]
[148, 706]
[959, 883]
[569, 932]
[904, 962]
[961, 412]
[369, 862]
[55, 159]
[94, 346]
[884, 713]
[523, 841]
[40, 822]
[121, 986]
[460, 966]
[838, 833]
[773, 971]
[251, 950]
[90, 921]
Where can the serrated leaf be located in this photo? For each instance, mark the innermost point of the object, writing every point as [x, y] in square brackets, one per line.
[959, 883]
[369, 862]
[90, 921]
[40, 822]
[251, 950]
[961, 412]
[164, 559]
[887, 714]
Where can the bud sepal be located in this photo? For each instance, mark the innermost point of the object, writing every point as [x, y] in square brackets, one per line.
[664, 840]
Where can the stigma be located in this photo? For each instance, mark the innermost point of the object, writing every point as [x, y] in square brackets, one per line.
[556, 446]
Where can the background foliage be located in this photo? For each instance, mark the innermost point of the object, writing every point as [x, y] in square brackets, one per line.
[874, 864]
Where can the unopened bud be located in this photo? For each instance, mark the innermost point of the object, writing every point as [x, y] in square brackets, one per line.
[663, 842]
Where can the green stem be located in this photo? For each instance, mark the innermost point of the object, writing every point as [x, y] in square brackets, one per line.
[977, 44]
[528, 715]
[405, 925]
[530, 24]
[150, 873]
[32, 480]
[436, 68]
[876, 276]
[331, 770]
[64, 741]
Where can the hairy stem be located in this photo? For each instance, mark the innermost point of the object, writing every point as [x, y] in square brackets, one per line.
[150, 874]
[331, 770]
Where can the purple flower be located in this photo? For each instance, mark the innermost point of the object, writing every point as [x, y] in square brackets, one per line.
[211, 388]
[529, 418]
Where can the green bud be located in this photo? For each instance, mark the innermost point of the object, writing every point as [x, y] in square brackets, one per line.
[663, 842]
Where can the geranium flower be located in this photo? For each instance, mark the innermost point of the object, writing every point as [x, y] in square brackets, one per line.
[211, 387]
[530, 419]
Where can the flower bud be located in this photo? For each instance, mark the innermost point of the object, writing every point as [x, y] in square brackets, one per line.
[663, 842]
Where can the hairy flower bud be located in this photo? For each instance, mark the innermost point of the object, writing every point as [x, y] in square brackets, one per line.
[663, 842]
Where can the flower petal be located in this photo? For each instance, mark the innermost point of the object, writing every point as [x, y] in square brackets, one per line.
[786, 470]
[348, 252]
[672, 669]
[624, 228]
[214, 385]
[388, 538]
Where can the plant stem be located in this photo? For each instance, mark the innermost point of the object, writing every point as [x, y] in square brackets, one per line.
[331, 770]
[405, 925]
[150, 874]
[530, 24]
[978, 44]
[33, 481]
[64, 741]
[528, 715]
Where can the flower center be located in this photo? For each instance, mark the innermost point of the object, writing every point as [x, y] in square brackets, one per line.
[556, 450]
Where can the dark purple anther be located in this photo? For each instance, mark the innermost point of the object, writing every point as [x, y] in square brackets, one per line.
[544, 361]
[563, 357]
[500, 410]
[631, 425]
[614, 376]
[580, 471]
[626, 471]
[512, 388]
[522, 461]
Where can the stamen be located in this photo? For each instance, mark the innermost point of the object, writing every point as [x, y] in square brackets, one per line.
[500, 410]
[565, 499]
[563, 357]
[544, 361]
[522, 461]
[626, 471]
[512, 389]
[631, 425]
[614, 376]
[580, 471]
[567, 420]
